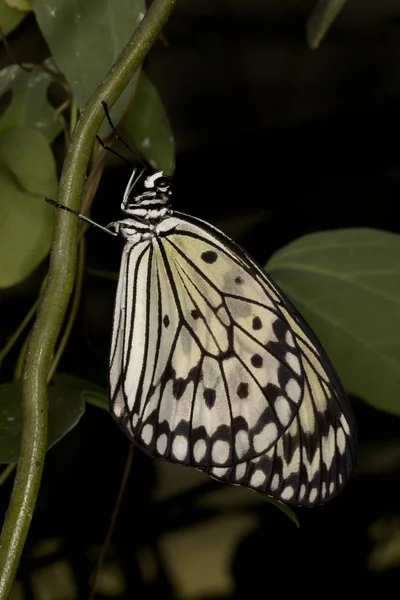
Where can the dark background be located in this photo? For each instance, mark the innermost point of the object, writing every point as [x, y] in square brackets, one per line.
[273, 141]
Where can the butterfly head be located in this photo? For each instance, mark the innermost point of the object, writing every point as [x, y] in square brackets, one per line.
[146, 190]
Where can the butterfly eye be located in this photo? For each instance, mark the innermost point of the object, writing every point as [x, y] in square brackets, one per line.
[162, 182]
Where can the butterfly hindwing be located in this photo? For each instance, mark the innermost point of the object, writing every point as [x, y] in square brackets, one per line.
[313, 460]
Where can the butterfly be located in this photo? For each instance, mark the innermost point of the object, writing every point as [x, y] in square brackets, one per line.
[212, 367]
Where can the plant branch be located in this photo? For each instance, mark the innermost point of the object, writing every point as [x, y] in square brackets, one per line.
[321, 20]
[55, 299]
[113, 520]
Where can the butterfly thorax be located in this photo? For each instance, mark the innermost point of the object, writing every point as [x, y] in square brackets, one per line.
[146, 203]
[144, 223]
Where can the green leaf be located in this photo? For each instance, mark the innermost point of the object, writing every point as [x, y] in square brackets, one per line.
[99, 399]
[29, 105]
[66, 406]
[10, 18]
[321, 20]
[24, 5]
[85, 38]
[146, 127]
[346, 283]
[27, 175]
[287, 510]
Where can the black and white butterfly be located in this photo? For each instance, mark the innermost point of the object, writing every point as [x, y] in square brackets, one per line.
[212, 367]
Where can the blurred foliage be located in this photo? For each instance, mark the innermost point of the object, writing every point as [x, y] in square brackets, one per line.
[321, 19]
[67, 398]
[12, 13]
[341, 281]
[341, 272]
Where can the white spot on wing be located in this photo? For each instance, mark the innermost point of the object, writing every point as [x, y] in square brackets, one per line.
[162, 443]
[341, 440]
[199, 450]
[240, 471]
[287, 493]
[283, 410]
[219, 472]
[302, 492]
[118, 406]
[289, 339]
[345, 424]
[266, 438]
[306, 413]
[328, 447]
[242, 443]
[180, 447]
[147, 433]
[220, 451]
[293, 390]
[275, 482]
[258, 478]
[313, 495]
[293, 362]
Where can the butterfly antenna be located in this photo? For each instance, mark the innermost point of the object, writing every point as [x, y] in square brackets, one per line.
[82, 217]
[109, 149]
[116, 134]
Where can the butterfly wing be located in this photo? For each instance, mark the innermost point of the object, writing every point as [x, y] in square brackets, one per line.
[127, 328]
[208, 369]
[313, 460]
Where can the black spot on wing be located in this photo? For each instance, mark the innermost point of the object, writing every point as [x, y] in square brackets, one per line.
[209, 396]
[280, 328]
[256, 361]
[209, 256]
[243, 390]
[257, 323]
[180, 384]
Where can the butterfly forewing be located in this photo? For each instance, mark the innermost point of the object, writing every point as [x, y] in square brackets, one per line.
[202, 383]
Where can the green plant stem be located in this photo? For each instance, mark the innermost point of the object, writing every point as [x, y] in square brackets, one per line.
[72, 313]
[73, 117]
[54, 301]
[19, 365]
